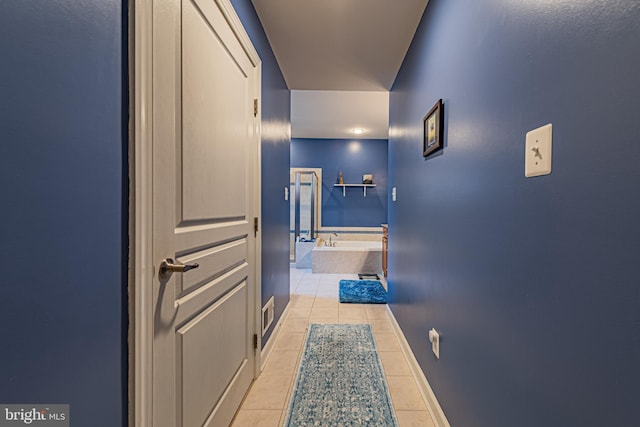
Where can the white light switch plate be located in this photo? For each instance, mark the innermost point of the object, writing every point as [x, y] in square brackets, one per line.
[393, 194]
[434, 337]
[537, 152]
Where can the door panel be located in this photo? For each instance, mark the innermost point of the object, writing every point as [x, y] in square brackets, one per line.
[199, 344]
[193, 303]
[214, 178]
[213, 262]
[205, 141]
[199, 235]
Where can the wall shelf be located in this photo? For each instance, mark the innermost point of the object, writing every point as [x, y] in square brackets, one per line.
[344, 188]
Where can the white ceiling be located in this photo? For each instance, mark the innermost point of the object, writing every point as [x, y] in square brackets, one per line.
[334, 114]
[339, 45]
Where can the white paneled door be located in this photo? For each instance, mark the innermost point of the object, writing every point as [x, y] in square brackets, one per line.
[205, 156]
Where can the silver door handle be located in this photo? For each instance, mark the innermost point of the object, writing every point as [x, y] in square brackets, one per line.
[167, 267]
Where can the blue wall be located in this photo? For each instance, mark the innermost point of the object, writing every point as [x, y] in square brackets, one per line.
[533, 283]
[276, 138]
[355, 158]
[64, 214]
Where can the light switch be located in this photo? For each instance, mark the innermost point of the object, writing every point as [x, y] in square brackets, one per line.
[537, 152]
[286, 193]
[393, 194]
[434, 337]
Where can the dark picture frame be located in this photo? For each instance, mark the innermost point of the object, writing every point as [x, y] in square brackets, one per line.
[432, 125]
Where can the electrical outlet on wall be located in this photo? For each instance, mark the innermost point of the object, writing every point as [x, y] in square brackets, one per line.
[434, 337]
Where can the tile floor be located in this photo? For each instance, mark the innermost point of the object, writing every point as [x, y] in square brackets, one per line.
[314, 299]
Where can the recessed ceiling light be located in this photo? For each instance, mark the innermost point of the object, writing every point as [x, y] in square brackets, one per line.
[358, 131]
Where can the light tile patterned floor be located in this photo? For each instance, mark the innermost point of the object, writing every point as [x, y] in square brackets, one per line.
[314, 299]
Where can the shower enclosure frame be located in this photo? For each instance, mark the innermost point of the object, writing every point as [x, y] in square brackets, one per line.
[316, 193]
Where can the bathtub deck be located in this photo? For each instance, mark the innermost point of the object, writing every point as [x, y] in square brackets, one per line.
[349, 261]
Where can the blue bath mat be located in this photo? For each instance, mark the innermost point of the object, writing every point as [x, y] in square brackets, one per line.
[340, 381]
[362, 292]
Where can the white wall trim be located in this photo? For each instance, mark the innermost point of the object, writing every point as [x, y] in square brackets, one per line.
[437, 414]
[266, 351]
[140, 217]
[257, 207]
[234, 21]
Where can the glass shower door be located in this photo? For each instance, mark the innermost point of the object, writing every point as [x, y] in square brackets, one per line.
[303, 211]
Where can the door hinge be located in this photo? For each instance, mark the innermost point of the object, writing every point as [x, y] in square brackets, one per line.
[255, 107]
[255, 341]
[255, 226]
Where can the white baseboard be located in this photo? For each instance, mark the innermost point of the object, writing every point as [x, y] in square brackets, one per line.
[437, 414]
[266, 351]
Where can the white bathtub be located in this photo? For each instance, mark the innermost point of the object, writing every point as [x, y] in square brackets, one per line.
[350, 245]
[348, 257]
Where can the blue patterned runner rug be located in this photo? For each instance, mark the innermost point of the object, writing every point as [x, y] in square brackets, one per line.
[340, 381]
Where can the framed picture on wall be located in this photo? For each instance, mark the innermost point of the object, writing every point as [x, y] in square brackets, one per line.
[433, 122]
